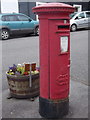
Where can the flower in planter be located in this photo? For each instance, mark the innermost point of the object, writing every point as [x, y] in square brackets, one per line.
[23, 69]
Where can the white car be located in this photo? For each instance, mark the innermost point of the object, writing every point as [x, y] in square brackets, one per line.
[79, 20]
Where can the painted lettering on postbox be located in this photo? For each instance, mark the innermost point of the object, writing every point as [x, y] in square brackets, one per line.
[62, 79]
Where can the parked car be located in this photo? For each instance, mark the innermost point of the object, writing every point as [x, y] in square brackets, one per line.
[17, 23]
[79, 20]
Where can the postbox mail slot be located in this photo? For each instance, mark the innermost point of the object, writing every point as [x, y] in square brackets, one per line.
[63, 27]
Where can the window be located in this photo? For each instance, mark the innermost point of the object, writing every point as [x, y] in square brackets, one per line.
[9, 18]
[23, 18]
[81, 15]
[72, 15]
[3, 18]
[87, 14]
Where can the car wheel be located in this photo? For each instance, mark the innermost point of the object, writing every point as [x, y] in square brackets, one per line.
[37, 31]
[73, 28]
[4, 34]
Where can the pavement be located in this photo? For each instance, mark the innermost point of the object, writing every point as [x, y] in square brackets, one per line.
[25, 108]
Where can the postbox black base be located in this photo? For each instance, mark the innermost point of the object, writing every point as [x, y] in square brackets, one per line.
[53, 109]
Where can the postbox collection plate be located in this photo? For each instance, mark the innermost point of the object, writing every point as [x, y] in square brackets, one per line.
[64, 44]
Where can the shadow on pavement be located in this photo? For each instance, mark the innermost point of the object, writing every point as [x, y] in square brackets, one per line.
[83, 29]
[20, 36]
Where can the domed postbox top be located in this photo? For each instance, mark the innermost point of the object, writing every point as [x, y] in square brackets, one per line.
[53, 7]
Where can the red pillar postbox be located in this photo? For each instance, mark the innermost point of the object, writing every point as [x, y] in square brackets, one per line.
[54, 58]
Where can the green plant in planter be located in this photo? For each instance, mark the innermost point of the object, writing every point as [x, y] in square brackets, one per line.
[20, 69]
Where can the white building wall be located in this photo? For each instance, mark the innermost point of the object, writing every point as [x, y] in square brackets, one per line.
[9, 6]
[37, 4]
[79, 7]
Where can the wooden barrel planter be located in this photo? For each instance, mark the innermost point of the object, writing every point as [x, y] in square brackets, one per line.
[20, 85]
